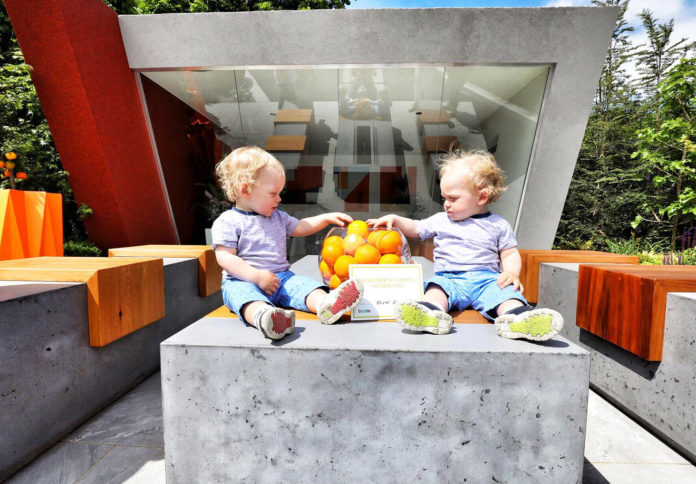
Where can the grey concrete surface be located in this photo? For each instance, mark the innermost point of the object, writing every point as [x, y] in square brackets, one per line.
[662, 395]
[370, 402]
[617, 449]
[51, 380]
[573, 41]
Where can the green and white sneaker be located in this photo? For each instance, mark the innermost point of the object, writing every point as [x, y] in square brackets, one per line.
[417, 317]
[536, 325]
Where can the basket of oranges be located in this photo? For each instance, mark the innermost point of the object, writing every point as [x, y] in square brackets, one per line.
[359, 244]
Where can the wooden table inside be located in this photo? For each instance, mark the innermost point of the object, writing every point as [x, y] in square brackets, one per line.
[625, 304]
[293, 116]
[531, 258]
[123, 295]
[209, 271]
[286, 143]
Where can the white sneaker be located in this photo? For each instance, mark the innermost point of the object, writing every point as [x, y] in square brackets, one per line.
[417, 317]
[344, 298]
[273, 322]
[536, 325]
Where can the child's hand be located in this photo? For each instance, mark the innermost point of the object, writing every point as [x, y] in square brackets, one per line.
[268, 282]
[338, 218]
[383, 221]
[506, 278]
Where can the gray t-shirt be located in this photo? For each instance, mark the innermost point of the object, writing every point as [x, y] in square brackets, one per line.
[260, 241]
[472, 244]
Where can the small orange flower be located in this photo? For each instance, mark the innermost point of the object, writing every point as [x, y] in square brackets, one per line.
[11, 155]
[21, 175]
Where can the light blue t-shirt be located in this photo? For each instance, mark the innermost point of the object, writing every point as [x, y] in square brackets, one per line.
[472, 244]
[260, 241]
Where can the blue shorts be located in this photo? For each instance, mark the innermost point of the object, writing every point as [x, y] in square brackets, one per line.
[476, 289]
[291, 293]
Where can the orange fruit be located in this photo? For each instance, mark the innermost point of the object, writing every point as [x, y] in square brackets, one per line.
[334, 239]
[375, 236]
[358, 227]
[342, 264]
[390, 243]
[334, 282]
[390, 259]
[331, 252]
[351, 242]
[367, 254]
[326, 271]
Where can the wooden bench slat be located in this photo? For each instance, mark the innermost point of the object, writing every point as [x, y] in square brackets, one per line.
[209, 271]
[123, 295]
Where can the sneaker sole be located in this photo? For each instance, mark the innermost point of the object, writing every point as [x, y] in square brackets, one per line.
[536, 325]
[348, 295]
[416, 317]
[282, 324]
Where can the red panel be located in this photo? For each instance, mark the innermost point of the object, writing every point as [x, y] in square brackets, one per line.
[91, 101]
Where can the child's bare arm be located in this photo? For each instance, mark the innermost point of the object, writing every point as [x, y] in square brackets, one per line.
[239, 268]
[406, 225]
[311, 225]
[511, 263]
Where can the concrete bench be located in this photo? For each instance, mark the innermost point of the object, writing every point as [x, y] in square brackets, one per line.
[660, 395]
[370, 402]
[52, 380]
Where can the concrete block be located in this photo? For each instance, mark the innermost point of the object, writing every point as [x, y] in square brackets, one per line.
[51, 380]
[660, 395]
[370, 402]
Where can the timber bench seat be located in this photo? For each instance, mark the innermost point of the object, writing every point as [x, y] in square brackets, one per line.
[531, 258]
[124, 295]
[209, 271]
[625, 304]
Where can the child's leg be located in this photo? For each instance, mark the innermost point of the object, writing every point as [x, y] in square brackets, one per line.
[429, 315]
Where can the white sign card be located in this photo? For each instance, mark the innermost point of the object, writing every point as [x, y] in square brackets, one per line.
[385, 285]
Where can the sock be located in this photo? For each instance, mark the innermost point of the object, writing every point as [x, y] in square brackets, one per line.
[519, 310]
[430, 305]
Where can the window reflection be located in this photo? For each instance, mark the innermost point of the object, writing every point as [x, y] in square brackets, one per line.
[361, 140]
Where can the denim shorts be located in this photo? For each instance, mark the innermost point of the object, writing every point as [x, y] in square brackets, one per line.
[291, 293]
[476, 289]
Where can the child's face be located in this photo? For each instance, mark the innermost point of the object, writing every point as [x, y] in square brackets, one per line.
[264, 197]
[461, 201]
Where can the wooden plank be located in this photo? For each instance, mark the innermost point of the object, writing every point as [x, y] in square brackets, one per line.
[209, 271]
[286, 143]
[531, 258]
[293, 116]
[625, 304]
[460, 317]
[123, 295]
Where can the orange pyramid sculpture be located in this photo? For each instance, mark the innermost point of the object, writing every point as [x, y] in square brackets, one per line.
[31, 224]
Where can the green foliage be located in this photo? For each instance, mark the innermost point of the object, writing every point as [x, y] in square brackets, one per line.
[81, 248]
[197, 6]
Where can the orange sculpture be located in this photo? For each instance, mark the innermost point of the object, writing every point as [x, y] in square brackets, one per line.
[31, 224]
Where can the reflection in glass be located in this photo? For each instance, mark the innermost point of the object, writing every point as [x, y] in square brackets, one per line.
[361, 140]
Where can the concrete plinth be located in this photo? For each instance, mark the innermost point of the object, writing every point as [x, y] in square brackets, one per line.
[370, 402]
[52, 380]
[661, 395]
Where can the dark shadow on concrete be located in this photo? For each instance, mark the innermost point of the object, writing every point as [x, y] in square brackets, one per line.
[639, 366]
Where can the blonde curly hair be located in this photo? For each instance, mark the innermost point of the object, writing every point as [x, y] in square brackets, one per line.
[243, 166]
[481, 169]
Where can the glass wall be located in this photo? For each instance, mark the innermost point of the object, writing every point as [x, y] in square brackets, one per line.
[361, 140]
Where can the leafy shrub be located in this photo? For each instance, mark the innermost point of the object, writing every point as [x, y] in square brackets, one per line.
[81, 248]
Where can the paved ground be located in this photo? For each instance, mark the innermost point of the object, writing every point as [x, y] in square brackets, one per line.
[124, 444]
